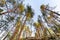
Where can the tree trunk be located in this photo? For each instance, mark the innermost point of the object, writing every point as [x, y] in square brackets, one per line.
[15, 32]
[21, 29]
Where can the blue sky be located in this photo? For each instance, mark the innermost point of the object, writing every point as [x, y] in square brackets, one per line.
[37, 3]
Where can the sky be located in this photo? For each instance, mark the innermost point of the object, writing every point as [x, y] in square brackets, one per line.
[37, 3]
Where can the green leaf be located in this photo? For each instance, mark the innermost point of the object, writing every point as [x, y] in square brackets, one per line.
[1, 10]
[29, 11]
[2, 3]
[12, 1]
[11, 18]
[21, 8]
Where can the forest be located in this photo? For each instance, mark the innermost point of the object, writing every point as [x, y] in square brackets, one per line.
[17, 22]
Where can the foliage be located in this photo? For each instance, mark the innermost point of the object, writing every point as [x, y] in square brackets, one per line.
[21, 8]
[29, 12]
[37, 25]
[12, 1]
[43, 7]
[1, 10]
[2, 3]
